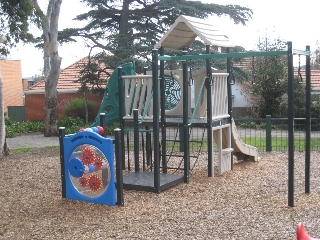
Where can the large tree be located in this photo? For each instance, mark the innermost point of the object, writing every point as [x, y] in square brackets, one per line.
[128, 29]
[52, 62]
[15, 19]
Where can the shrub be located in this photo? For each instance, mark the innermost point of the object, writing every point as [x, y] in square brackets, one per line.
[109, 129]
[8, 122]
[72, 125]
[13, 128]
[76, 108]
[70, 122]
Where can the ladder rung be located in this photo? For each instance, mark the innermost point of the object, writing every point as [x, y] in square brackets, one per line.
[193, 141]
[176, 155]
[172, 155]
[173, 168]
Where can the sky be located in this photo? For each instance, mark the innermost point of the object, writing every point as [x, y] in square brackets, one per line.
[287, 20]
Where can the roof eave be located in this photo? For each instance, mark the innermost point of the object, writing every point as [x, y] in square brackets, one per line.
[64, 91]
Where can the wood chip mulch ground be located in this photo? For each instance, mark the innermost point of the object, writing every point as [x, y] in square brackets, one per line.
[249, 202]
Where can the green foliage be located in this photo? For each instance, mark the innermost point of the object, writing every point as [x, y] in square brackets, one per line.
[129, 29]
[70, 122]
[72, 125]
[315, 105]
[253, 124]
[109, 129]
[8, 122]
[14, 128]
[15, 20]
[315, 58]
[248, 125]
[269, 80]
[76, 108]
[93, 75]
[10, 132]
[300, 103]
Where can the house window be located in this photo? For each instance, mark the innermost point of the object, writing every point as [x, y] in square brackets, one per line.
[30, 84]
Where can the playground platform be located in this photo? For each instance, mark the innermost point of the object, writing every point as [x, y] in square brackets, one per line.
[144, 181]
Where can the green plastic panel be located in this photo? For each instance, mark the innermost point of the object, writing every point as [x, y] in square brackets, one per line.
[110, 101]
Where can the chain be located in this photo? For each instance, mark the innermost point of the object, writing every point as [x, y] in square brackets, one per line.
[190, 74]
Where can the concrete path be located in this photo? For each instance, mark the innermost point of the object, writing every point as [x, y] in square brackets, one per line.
[32, 140]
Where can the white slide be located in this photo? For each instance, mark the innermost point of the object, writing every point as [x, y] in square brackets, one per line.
[242, 150]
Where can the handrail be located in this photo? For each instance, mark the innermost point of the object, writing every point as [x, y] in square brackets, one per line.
[136, 76]
[198, 100]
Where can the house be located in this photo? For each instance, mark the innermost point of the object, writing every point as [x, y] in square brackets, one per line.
[29, 82]
[239, 102]
[315, 80]
[12, 86]
[67, 89]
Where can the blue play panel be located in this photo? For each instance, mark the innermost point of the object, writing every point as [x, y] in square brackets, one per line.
[89, 168]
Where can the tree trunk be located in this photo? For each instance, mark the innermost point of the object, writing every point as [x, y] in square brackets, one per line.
[123, 40]
[50, 35]
[51, 110]
[124, 18]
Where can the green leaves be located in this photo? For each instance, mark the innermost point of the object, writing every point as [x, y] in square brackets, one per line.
[129, 29]
[15, 20]
[270, 79]
[14, 128]
[76, 109]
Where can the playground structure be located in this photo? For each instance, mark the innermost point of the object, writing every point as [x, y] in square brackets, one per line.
[182, 102]
[152, 103]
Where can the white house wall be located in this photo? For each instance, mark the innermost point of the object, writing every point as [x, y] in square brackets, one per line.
[238, 99]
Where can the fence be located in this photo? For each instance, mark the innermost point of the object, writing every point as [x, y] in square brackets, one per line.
[271, 134]
[17, 113]
[267, 134]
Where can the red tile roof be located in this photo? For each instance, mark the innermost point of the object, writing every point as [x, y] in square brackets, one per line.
[315, 77]
[67, 78]
[69, 75]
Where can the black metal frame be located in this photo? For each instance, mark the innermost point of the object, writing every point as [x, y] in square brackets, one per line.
[155, 124]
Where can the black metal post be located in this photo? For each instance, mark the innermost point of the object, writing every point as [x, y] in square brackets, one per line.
[128, 152]
[104, 172]
[308, 123]
[229, 89]
[143, 153]
[185, 86]
[268, 134]
[119, 174]
[209, 114]
[290, 127]
[121, 111]
[148, 135]
[155, 87]
[62, 132]
[163, 114]
[103, 123]
[136, 140]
